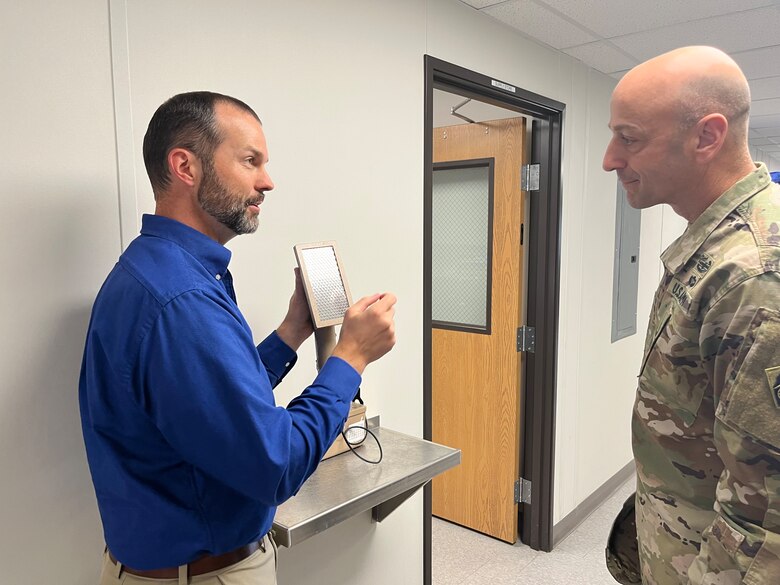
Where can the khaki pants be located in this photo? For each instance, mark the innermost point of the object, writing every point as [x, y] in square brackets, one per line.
[259, 568]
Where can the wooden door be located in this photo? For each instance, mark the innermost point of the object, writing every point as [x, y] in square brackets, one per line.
[476, 375]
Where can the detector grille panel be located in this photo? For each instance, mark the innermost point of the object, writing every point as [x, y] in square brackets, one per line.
[326, 287]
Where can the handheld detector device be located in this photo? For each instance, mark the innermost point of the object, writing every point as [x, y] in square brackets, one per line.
[326, 291]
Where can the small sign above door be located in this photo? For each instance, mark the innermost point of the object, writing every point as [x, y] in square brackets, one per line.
[502, 85]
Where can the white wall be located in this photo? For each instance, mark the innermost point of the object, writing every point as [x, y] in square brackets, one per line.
[60, 237]
[339, 86]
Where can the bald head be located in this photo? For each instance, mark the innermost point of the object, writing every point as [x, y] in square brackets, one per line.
[691, 83]
[679, 130]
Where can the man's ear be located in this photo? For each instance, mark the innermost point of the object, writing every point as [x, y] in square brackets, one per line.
[184, 166]
[711, 133]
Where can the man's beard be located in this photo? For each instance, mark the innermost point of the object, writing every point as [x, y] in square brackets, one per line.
[226, 206]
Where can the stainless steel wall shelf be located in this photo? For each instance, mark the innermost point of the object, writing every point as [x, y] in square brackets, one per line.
[344, 486]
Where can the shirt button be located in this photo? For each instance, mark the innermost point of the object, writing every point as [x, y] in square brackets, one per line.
[218, 277]
[287, 365]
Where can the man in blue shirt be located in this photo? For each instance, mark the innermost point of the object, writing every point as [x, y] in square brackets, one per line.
[188, 452]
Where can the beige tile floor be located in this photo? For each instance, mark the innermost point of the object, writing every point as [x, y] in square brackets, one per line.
[461, 556]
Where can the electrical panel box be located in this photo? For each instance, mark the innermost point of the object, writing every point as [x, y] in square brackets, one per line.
[625, 286]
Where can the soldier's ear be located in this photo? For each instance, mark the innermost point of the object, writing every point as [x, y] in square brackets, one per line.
[711, 132]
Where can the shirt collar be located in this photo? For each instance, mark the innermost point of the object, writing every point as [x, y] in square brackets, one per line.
[681, 250]
[211, 254]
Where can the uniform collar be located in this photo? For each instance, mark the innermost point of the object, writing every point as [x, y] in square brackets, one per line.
[681, 250]
[211, 254]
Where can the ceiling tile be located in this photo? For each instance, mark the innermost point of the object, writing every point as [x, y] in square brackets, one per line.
[772, 132]
[736, 32]
[770, 121]
[762, 141]
[539, 23]
[602, 56]
[765, 107]
[613, 18]
[744, 29]
[481, 3]
[775, 148]
[759, 62]
[765, 88]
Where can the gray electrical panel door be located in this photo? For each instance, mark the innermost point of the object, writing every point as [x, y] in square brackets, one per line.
[628, 222]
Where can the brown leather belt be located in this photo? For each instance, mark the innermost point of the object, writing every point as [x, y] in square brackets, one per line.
[203, 565]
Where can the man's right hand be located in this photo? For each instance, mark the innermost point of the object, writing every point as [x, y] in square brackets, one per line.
[368, 331]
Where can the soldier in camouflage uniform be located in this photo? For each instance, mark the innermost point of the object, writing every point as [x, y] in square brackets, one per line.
[706, 420]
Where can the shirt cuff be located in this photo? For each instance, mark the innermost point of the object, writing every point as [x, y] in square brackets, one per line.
[341, 377]
[276, 355]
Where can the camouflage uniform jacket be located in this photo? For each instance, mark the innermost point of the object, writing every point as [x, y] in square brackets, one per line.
[706, 421]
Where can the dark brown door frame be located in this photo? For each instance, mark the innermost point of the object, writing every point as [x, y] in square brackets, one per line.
[543, 288]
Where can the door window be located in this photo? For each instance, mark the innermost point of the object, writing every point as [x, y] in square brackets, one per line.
[461, 244]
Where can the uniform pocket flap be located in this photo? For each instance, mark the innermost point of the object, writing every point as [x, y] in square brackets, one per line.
[671, 375]
[750, 400]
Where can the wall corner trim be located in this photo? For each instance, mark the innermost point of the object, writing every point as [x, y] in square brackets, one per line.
[566, 526]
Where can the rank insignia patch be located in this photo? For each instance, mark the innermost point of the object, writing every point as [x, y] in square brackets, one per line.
[773, 377]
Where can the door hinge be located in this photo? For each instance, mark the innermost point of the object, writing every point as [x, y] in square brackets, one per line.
[522, 491]
[526, 339]
[529, 177]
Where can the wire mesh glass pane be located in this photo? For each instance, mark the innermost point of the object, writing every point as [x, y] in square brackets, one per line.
[325, 277]
[460, 245]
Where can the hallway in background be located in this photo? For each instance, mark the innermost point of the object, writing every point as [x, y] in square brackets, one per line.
[461, 556]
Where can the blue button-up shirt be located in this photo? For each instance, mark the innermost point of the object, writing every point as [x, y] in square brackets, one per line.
[188, 452]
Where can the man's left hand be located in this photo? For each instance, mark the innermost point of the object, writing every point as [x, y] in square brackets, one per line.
[297, 325]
